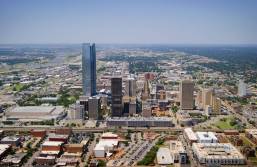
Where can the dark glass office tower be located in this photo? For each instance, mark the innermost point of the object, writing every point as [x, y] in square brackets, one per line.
[116, 88]
[89, 69]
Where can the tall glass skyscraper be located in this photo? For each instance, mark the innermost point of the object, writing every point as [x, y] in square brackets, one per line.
[89, 69]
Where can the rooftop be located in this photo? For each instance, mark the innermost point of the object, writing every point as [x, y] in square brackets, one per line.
[206, 136]
[109, 134]
[10, 138]
[4, 147]
[32, 109]
[217, 150]
[54, 135]
[190, 134]
[52, 143]
[15, 159]
[138, 119]
[251, 131]
[176, 146]
[164, 156]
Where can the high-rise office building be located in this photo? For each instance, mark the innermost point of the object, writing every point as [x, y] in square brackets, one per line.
[187, 95]
[116, 88]
[89, 69]
[130, 87]
[242, 88]
[146, 91]
[132, 106]
[207, 97]
[199, 98]
[93, 107]
[83, 100]
[216, 105]
[146, 110]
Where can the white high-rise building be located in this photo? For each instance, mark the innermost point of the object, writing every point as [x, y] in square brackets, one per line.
[242, 88]
[76, 111]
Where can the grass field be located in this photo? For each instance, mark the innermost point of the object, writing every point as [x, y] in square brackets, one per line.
[224, 124]
[18, 87]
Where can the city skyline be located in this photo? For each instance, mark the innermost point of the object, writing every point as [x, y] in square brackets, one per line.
[158, 22]
[128, 83]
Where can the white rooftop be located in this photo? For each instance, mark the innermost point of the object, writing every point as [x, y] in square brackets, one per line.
[206, 136]
[104, 144]
[10, 138]
[3, 148]
[52, 143]
[190, 134]
[164, 156]
[32, 109]
[109, 134]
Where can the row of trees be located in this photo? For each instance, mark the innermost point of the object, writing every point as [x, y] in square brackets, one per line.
[150, 156]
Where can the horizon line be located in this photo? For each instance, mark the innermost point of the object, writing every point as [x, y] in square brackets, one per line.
[62, 43]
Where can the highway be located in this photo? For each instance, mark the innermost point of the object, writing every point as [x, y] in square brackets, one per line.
[95, 129]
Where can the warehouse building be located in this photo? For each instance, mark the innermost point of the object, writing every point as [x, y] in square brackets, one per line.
[35, 113]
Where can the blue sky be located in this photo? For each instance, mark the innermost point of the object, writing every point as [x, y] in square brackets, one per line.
[129, 21]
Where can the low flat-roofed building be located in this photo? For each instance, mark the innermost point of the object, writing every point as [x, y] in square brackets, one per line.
[251, 134]
[38, 133]
[35, 113]
[4, 149]
[12, 140]
[140, 121]
[93, 163]
[63, 131]
[105, 146]
[189, 117]
[109, 135]
[51, 148]
[206, 137]
[190, 136]
[164, 157]
[74, 149]
[178, 152]
[217, 154]
[45, 160]
[231, 132]
[67, 161]
[13, 160]
[58, 137]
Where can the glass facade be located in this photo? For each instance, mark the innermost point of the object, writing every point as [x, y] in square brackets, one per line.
[89, 69]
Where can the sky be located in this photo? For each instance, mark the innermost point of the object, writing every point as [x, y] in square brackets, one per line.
[128, 21]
